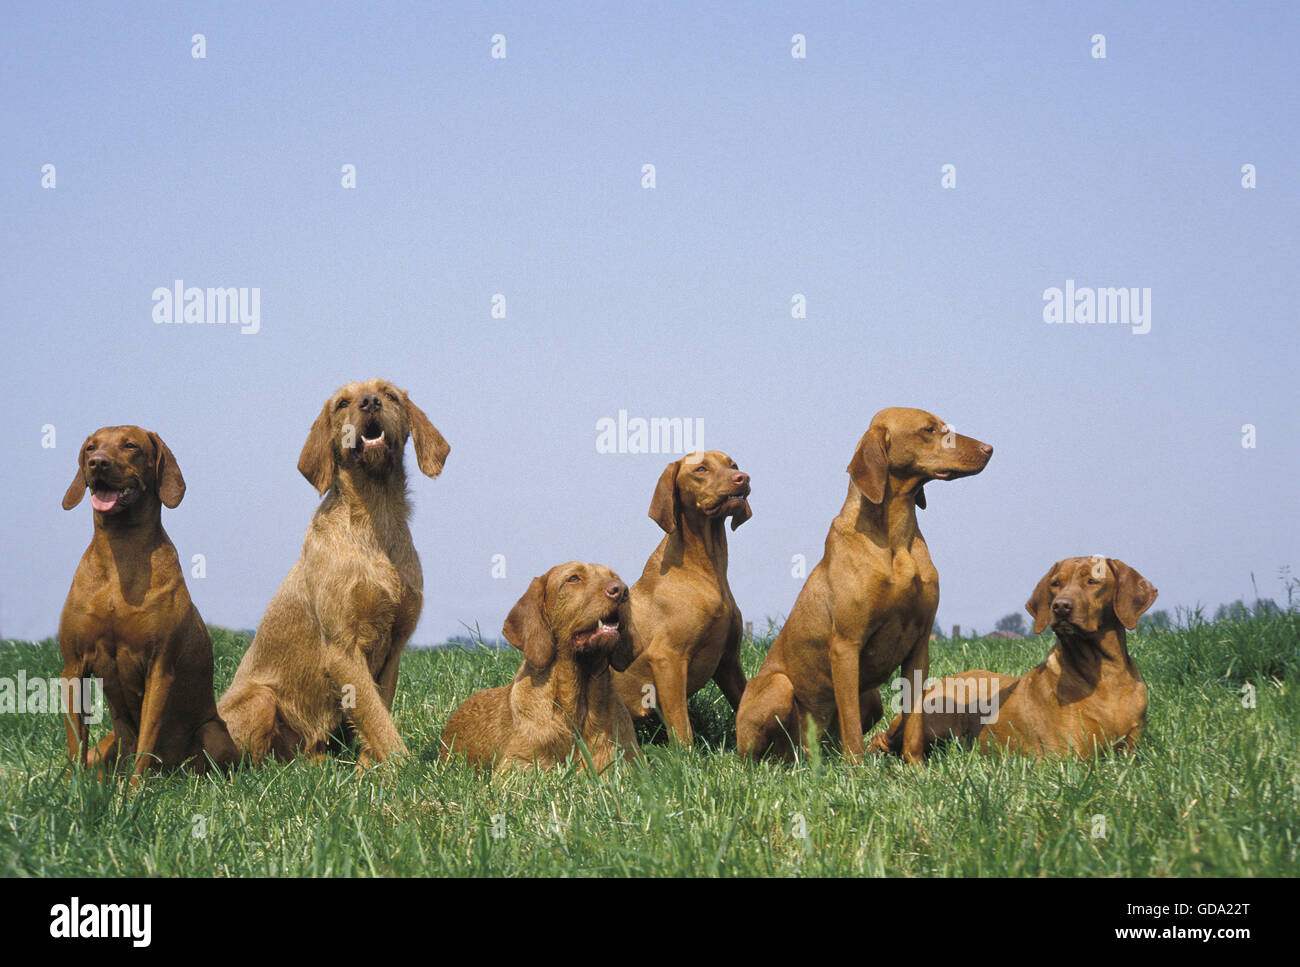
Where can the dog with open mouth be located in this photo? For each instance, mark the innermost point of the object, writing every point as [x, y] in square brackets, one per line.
[325, 657]
[868, 606]
[688, 627]
[1087, 695]
[129, 621]
[573, 625]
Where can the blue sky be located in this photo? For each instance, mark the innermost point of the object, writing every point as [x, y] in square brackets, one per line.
[774, 176]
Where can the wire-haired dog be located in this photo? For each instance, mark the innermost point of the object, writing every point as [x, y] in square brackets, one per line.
[572, 624]
[326, 653]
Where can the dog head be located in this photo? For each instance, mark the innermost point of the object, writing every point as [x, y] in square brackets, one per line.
[364, 426]
[124, 468]
[1083, 595]
[707, 484]
[907, 448]
[573, 612]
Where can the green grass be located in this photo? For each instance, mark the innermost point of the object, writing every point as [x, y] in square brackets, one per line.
[1213, 790]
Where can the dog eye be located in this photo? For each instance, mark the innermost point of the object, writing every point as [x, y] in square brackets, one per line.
[340, 404]
[574, 577]
[701, 469]
[130, 446]
[89, 447]
[391, 397]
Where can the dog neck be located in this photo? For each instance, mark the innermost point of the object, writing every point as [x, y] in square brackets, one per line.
[576, 681]
[139, 524]
[379, 503]
[890, 523]
[699, 543]
[1082, 659]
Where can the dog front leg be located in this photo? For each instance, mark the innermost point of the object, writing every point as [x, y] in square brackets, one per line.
[729, 675]
[916, 669]
[670, 693]
[78, 730]
[363, 705]
[388, 677]
[844, 656]
[156, 691]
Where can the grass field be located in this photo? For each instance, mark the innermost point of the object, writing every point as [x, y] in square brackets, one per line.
[1213, 790]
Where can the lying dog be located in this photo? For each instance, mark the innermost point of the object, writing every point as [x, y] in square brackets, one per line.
[1087, 695]
[572, 625]
[129, 621]
[869, 605]
[327, 651]
[688, 627]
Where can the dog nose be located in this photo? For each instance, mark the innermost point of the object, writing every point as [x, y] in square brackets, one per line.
[615, 590]
[97, 462]
[986, 450]
[1062, 607]
[370, 403]
[740, 479]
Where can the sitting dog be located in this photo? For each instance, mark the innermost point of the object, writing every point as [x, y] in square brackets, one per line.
[326, 653]
[687, 625]
[1087, 695]
[129, 621]
[572, 624]
[869, 605]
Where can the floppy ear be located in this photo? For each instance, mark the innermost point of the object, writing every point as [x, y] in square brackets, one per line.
[1133, 593]
[625, 650]
[1039, 604]
[316, 462]
[166, 473]
[869, 467]
[665, 504]
[526, 626]
[77, 489]
[920, 498]
[430, 448]
[741, 515]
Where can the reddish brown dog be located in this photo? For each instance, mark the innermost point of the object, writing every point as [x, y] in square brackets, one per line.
[572, 625]
[687, 625]
[326, 654]
[129, 621]
[1087, 695]
[869, 605]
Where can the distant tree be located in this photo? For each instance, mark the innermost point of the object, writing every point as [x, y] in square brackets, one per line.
[1236, 611]
[1013, 622]
[938, 632]
[1155, 620]
[1265, 606]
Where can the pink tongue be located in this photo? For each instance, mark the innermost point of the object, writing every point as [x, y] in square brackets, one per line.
[103, 499]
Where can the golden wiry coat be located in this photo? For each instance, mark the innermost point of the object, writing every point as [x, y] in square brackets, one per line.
[326, 653]
[572, 624]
